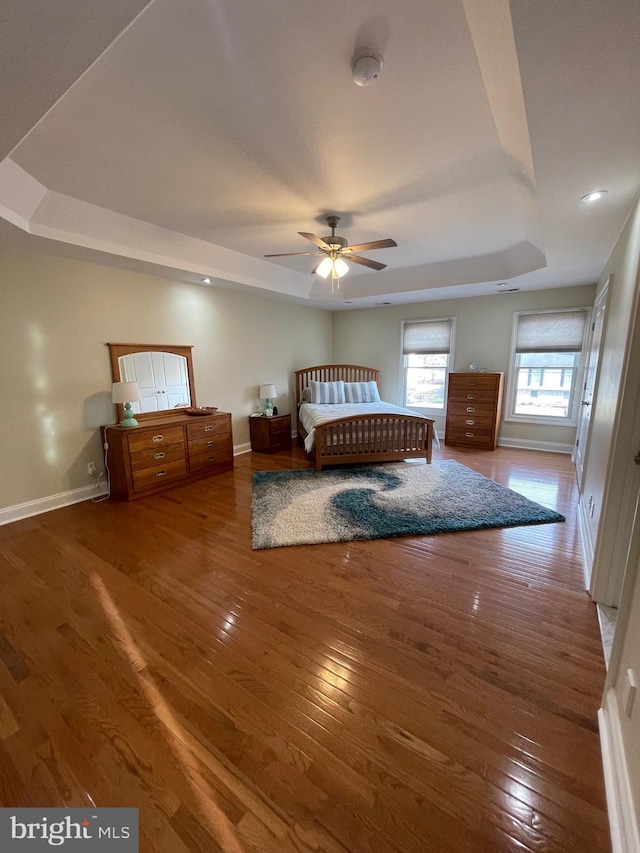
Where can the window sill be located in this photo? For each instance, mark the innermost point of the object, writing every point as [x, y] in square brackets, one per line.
[540, 421]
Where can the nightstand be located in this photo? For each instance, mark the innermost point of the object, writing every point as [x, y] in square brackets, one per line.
[268, 435]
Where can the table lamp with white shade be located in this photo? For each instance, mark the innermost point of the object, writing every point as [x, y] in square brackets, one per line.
[267, 393]
[126, 393]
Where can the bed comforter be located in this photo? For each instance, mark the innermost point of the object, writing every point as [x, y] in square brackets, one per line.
[312, 415]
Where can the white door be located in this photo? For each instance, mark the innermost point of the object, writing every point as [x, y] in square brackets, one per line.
[590, 380]
[162, 379]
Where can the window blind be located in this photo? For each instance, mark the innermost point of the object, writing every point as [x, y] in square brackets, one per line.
[427, 337]
[553, 331]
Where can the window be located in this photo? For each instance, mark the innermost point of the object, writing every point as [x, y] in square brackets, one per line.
[547, 348]
[426, 350]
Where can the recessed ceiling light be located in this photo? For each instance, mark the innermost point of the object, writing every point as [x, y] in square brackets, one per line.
[206, 280]
[594, 196]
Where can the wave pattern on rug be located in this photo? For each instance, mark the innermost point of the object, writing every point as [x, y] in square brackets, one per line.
[305, 507]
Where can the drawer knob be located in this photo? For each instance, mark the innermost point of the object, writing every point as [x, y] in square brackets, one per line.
[470, 409]
[157, 438]
[208, 428]
[160, 473]
[470, 423]
[471, 396]
[209, 443]
[469, 434]
[158, 455]
[210, 458]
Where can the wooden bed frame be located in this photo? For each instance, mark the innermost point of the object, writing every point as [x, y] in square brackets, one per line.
[362, 438]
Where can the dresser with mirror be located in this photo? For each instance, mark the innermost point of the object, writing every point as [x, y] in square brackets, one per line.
[169, 447]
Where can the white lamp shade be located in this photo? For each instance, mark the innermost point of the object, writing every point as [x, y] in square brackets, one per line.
[125, 392]
[267, 392]
[325, 267]
[340, 267]
[336, 266]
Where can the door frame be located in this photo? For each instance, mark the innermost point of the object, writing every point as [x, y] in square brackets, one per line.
[583, 453]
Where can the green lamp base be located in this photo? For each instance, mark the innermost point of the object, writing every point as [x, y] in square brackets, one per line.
[128, 420]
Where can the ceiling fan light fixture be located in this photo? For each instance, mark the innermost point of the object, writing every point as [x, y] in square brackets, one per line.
[324, 267]
[338, 253]
[340, 267]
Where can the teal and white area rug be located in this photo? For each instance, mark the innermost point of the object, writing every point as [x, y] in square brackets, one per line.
[307, 507]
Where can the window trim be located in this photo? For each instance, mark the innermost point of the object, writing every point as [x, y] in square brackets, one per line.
[402, 385]
[510, 415]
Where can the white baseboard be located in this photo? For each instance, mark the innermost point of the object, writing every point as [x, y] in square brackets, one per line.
[529, 444]
[30, 508]
[623, 821]
[586, 543]
[74, 496]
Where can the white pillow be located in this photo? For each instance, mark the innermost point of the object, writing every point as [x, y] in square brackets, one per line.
[361, 392]
[305, 397]
[327, 392]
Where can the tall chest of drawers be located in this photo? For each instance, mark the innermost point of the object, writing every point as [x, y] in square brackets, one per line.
[165, 452]
[474, 407]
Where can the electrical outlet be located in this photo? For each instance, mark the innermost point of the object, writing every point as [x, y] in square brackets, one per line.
[91, 469]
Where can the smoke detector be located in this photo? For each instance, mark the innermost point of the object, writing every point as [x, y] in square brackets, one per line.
[366, 70]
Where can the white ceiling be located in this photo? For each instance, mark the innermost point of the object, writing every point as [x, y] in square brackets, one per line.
[191, 137]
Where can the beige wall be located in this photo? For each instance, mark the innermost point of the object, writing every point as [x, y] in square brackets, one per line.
[57, 315]
[483, 335]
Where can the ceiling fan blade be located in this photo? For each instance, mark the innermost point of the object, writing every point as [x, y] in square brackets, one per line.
[374, 265]
[292, 254]
[316, 240]
[367, 247]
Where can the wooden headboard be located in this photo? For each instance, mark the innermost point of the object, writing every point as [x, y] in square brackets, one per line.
[331, 373]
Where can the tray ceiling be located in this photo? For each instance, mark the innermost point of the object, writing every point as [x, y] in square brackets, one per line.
[190, 138]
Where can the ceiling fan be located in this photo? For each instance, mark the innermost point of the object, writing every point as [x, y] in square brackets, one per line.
[337, 253]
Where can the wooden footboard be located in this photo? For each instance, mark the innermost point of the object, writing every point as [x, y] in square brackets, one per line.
[373, 438]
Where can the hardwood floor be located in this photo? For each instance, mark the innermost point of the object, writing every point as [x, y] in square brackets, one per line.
[420, 694]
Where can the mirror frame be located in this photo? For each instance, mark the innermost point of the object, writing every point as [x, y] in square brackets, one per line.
[118, 350]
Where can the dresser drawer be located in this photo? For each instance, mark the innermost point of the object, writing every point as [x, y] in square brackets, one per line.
[212, 442]
[470, 437]
[472, 395]
[157, 456]
[464, 422]
[148, 478]
[155, 438]
[471, 409]
[206, 427]
[282, 443]
[466, 381]
[211, 459]
[280, 427]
